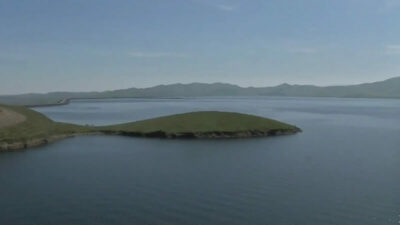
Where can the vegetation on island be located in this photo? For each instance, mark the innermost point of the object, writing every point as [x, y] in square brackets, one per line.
[205, 124]
[36, 129]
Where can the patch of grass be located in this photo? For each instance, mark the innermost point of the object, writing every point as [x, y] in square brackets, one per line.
[200, 122]
[36, 126]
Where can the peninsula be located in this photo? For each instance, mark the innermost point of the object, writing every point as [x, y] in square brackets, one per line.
[21, 128]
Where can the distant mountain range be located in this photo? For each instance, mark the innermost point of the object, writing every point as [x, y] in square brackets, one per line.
[383, 89]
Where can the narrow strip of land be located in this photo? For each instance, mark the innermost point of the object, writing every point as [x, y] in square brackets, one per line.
[10, 118]
[61, 102]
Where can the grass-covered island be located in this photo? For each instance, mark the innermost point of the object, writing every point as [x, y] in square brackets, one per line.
[21, 128]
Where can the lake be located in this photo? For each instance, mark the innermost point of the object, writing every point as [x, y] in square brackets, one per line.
[344, 168]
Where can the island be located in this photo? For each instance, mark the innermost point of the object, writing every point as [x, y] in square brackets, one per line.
[22, 128]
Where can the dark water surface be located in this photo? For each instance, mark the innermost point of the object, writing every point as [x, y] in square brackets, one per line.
[343, 169]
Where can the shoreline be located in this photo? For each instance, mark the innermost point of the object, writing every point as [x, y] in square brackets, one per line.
[24, 145]
[64, 101]
[21, 146]
[38, 130]
[67, 101]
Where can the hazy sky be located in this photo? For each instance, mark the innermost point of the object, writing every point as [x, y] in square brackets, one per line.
[70, 45]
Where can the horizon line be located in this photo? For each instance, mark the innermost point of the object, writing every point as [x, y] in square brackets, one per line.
[211, 83]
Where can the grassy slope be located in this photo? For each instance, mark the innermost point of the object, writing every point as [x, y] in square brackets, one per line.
[203, 122]
[36, 126]
[39, 129]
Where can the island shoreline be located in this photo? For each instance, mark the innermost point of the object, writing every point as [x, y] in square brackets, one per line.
[39, 130]
[24, 145]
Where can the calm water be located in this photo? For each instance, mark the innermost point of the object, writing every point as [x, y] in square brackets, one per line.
[343, 169]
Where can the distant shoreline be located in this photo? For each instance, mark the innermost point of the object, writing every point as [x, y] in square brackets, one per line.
[386, 89]
[67, 101]
[64, 101]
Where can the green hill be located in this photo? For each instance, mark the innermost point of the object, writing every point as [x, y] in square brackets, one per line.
[37, 129]
[205, 124]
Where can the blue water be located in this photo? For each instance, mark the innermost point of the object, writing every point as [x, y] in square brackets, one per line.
[343, 169]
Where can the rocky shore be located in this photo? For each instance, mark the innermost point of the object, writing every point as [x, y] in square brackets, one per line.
[207, 135]
[22, 145]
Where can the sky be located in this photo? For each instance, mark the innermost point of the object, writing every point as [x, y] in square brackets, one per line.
[94, 45]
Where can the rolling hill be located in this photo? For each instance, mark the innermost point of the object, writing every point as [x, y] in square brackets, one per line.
[21, 128]
[383, 89]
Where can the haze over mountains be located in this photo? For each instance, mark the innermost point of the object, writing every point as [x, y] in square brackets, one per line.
[383, 89]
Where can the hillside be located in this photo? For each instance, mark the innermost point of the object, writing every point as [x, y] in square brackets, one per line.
[383, 89]
[204, 124]
[34, 129]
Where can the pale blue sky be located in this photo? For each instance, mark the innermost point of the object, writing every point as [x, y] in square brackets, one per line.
[74, 45]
